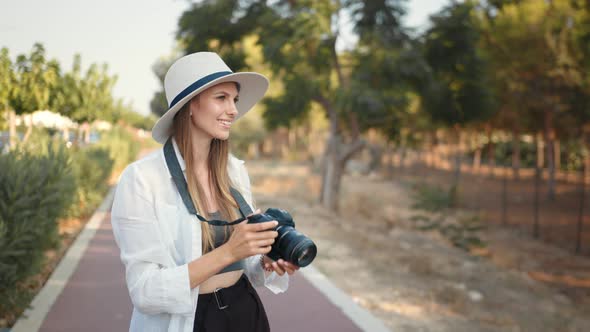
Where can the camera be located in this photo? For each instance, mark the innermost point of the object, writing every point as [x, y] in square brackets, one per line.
[290, 244]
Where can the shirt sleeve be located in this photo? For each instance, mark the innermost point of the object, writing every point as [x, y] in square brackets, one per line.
[253, 269]
[155, 284]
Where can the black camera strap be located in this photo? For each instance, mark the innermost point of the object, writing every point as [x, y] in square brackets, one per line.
[182, 186]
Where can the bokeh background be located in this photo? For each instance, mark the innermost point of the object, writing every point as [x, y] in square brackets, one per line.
[437, 151]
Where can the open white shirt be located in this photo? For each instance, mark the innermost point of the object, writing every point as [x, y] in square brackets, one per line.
[158, 238]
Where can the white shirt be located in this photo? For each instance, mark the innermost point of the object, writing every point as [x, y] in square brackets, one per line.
[158, 238]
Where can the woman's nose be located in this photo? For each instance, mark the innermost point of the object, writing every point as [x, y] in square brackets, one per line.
[232, 109]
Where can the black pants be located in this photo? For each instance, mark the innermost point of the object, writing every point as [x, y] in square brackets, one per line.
[235, 308]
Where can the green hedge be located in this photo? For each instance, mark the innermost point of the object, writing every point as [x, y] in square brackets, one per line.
[35, 190]
[122, 148]
[91, 167]
[40, 182]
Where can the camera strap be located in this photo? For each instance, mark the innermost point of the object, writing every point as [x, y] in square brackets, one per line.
[182, 186]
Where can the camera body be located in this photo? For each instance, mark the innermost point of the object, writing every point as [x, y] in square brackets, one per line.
[290, 244]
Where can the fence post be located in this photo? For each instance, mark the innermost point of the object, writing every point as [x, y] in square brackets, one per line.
[536, 204]
[504, 197]
[581, 210]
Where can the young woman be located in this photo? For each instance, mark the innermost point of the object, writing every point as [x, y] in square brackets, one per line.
[182, 273]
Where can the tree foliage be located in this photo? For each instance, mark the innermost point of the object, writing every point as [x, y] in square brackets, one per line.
[32, 83]
[459, 91]
[35, 78]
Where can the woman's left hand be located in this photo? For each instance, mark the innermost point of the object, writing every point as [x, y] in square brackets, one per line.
[280, 267]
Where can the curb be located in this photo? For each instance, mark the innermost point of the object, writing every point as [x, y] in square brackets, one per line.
[33, 317]
[360, 316]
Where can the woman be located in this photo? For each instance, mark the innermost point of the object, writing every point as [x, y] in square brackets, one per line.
[182, 273]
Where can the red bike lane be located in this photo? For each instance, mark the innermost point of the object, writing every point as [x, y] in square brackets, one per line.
[95, 297]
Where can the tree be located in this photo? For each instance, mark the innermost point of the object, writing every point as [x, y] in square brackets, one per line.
[34, 81]
[96, 97]
[159, 103]
[7, 81]
[542, 87]
[458, 92]
[68, 97]
[298, 40]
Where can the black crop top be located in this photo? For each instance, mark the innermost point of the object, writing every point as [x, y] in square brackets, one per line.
[219, 238]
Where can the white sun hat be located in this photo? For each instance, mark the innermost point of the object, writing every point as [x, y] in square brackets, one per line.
[192, 74]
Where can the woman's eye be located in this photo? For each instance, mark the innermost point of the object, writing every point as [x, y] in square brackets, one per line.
[236, 100]
[221, 97]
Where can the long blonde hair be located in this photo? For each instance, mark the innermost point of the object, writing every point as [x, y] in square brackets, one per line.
[217, 164]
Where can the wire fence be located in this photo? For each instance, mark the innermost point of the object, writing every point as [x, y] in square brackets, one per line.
[519, 202]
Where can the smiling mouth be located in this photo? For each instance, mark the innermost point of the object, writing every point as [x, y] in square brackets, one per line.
[225, 122]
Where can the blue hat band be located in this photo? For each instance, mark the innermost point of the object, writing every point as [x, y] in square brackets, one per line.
[197, 85]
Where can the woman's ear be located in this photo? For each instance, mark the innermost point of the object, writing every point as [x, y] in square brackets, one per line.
[193, 104]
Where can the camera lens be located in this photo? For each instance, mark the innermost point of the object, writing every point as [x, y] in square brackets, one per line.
[295, 247]
[304, 253]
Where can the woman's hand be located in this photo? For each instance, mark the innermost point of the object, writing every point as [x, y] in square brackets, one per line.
[251, 239]
[280, 267]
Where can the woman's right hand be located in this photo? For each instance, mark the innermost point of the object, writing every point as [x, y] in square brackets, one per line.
[251, 239]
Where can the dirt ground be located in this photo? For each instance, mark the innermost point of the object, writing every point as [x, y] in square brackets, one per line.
[558, 218]
[417, 281]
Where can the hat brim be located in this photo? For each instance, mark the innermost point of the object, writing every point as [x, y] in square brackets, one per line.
[253, 86]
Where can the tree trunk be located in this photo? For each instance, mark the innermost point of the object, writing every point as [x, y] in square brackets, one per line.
[260, 146]
[491, 151]
[253, 151]
[376, 154]
[402, 157]
[292, 143]
[549, 136]
[539, 148]
[87, 133]
[28, 121]
[336, 156]
[477, 158]
[331, 176]
[390, 153]
[454, 191]
[11, 128]
[557, 155]
[66, 134]
[516, 153]
[80, 134]
[285, 144]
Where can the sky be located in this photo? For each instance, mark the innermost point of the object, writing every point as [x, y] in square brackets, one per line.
[128, 35]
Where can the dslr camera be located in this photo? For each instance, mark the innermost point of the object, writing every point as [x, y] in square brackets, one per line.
[290, 244]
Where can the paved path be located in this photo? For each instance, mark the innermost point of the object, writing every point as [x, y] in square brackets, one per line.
[95, 298]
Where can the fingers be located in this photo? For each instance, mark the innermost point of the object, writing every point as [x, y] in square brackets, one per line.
[259, 227]
[251, 239]
[278, 268]
[263, 250]
[264, 243]
[290, 268]
[281, 267]
[255, 212]
[262, 235]
[263, 226]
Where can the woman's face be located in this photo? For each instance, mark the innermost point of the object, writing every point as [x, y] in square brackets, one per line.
[214, 110]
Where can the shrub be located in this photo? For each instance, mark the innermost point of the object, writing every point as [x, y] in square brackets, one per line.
[41, 181]
[91, 167]
[461, 231]
[432, 198]
[36, 188]
[121, 146]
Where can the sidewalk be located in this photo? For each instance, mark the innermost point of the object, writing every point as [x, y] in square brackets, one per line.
[95, 298]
